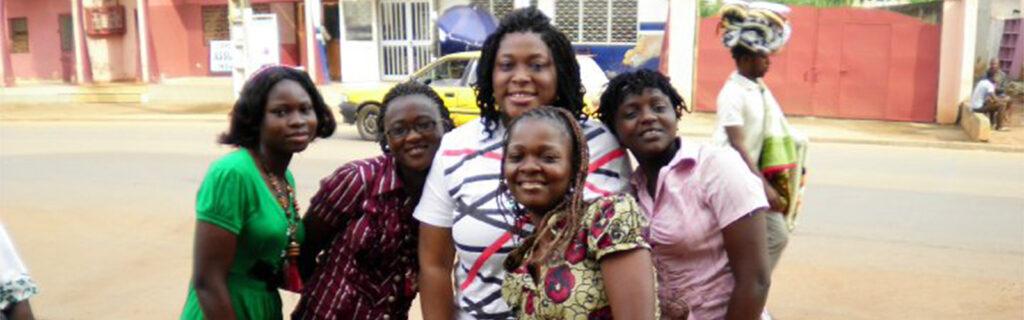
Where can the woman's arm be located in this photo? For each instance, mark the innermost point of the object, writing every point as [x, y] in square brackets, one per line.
[745, 243]
[437, 258]
[629, 283]
[318, 234]
[213, 253]
[735, 134]
[337, 202]
[21, 310]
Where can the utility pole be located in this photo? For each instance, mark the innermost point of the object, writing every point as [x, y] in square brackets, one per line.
[239, 60]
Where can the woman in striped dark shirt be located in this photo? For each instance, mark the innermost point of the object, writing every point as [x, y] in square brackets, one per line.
[360, 251]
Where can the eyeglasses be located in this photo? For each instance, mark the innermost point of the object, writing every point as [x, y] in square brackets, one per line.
[422, 128]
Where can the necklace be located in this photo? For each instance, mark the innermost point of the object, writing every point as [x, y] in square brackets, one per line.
[286, 199]
[285, 196]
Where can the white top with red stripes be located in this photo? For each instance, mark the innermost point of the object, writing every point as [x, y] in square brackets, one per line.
[461, 194]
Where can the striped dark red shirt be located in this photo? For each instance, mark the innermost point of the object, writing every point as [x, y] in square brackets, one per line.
[369, 269]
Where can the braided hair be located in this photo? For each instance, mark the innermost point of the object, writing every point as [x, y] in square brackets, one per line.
[573, 206]
[407, 89]
[634, 83]
[570, 91]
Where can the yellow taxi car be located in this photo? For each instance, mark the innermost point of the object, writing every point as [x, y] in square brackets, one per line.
[451, 76]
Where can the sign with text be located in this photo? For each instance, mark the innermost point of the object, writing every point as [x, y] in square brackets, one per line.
[220, 56]
[263, 44]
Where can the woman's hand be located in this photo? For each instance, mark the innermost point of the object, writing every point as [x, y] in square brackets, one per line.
[629, 283]
[318, 235]
[437, 258]
[213, 252]
[747, 248]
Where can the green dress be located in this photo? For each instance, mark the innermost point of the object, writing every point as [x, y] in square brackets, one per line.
[235, 197]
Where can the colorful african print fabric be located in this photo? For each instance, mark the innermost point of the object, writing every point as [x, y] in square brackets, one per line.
[571, 284]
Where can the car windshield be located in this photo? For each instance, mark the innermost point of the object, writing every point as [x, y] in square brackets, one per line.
[445, 73]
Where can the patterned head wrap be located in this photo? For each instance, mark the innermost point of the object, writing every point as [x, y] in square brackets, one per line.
[759, 26]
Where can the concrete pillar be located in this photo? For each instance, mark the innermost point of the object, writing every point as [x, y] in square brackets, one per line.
[956, 57]
[236, 30]
[6, 73]
[83, 69]
[312, 18]
[681, 50]
[142, 8]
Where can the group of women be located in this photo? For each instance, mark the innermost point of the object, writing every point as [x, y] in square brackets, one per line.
[533, 208]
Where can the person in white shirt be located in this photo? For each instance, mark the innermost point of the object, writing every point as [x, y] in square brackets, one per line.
[16, 286]
[985, 99]
[745, 103]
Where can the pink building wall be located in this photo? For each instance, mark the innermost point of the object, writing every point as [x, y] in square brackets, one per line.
[43, 59]
[176, 28]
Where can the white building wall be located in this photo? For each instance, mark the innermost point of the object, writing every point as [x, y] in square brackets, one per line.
[443, 5]
[652, 11]
[991, 16]
[114, 58]
[360, 60]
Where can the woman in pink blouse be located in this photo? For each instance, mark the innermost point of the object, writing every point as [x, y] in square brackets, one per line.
[703, 204]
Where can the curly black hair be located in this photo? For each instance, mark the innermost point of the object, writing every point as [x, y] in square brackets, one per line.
[569, 95]
[247, 114]
[634, 83]
[407, 89]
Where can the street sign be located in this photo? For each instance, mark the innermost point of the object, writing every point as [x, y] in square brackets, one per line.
[263, 45]
[220, 56]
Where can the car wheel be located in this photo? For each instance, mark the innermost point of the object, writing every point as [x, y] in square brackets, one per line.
[366, 122]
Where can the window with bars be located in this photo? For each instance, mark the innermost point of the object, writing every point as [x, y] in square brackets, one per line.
[215, 20]
[19, 34]
[499, 8]
[604, 21]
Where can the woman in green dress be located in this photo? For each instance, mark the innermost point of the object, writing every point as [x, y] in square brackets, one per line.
[247, 225]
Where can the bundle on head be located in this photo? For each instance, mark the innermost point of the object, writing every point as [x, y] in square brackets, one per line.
[760, 27]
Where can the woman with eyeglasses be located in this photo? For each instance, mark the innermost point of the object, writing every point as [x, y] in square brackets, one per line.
[359, 257]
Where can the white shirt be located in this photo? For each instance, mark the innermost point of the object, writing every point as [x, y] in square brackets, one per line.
[460, 194]
[982, 90]
[740, 103]
[15, 283]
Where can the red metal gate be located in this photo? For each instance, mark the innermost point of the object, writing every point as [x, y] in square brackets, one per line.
[840, 63]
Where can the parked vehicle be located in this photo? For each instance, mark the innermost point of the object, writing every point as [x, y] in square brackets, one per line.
[450, 76]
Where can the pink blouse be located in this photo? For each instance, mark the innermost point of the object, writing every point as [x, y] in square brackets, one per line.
[700, 192]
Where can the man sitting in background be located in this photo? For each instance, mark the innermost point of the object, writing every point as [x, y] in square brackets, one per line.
[986, 99]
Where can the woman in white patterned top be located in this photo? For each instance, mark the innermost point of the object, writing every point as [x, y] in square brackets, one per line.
[524, 64]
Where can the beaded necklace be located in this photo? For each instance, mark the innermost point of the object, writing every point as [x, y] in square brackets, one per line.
[286, 199]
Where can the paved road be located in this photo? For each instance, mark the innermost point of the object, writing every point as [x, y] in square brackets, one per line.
[102, 212]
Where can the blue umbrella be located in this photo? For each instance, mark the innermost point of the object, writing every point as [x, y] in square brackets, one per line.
[464, 28]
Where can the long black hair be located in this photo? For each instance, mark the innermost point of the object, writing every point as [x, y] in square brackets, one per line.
[247, 114]
[407, 89]
[634, 83]
[569, 95]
